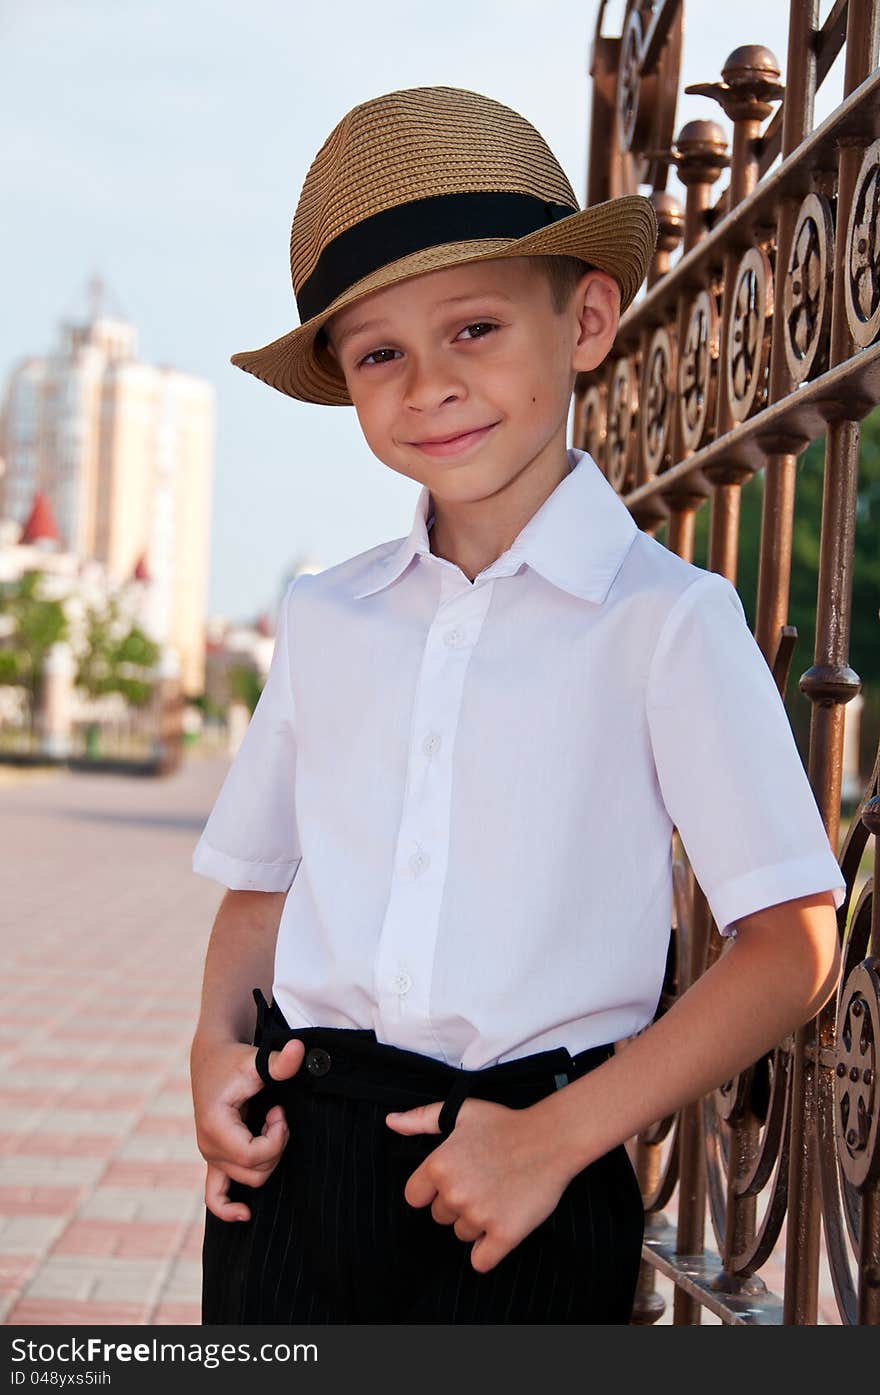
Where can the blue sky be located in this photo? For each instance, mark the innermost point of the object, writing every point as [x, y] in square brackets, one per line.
[164, 146]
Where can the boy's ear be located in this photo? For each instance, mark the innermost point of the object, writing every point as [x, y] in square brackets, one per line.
[596, 304]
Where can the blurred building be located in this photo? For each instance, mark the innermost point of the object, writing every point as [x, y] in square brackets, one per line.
[80, 583]
[82, 586]
[232, 645]
[123, 452]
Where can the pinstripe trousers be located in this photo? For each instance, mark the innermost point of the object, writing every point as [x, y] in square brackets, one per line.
[333, 1240]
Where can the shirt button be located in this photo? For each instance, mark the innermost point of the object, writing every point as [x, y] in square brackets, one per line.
[401, 983]
[431, 743]
[419, 861]
[453, 636]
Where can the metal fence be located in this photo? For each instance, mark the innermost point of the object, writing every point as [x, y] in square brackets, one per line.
[761, 337]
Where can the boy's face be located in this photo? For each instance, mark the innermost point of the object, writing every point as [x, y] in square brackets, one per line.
[476, 352]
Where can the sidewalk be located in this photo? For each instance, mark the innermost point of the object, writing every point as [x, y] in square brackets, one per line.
[101, 1183]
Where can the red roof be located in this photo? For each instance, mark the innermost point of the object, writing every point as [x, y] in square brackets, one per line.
[140, 572]
[41, 521]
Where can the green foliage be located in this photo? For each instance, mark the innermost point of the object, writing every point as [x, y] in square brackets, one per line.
[210, 709]
[37, 624]
[117, 658]
[244, 685]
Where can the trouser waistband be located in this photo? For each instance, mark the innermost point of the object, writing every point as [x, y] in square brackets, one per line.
[351, 1061]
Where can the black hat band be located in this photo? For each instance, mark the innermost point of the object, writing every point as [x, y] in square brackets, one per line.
[396, 232]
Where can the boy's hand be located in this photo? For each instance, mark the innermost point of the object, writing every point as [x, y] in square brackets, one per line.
[224, 1076]
[494, 1179]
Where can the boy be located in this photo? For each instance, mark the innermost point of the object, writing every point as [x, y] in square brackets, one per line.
[446, 836]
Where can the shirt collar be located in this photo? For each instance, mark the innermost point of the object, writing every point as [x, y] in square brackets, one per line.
[577, 539]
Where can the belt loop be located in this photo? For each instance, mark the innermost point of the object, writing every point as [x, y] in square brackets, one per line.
[274, 1039]
[452, 1104]
[262, 1014]
[268, 1036]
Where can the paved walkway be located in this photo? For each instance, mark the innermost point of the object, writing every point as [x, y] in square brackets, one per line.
[104, 928]
[104, 934]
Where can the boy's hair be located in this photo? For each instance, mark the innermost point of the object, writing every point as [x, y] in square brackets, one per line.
[563, 274]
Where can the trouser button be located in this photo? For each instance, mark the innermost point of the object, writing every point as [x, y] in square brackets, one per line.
[318, 1061]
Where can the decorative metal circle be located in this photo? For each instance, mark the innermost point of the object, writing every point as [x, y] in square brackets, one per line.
[696, 371]
[593, 424]
[862, 282]
[747, 334]
[621, 414]
[629, 80]
[758, 1099]
[731, 1097]
[855, 1082]
[630, 138]
[807, 290]
[841, 1201]
[657, 396]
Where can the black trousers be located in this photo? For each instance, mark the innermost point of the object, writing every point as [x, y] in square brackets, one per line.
[332, 1239]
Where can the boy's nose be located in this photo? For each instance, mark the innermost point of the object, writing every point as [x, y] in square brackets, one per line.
[430, 385]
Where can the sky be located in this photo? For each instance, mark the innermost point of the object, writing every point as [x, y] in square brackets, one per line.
[163, 147]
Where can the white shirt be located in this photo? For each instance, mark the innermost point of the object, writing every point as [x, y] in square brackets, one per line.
[468, 791]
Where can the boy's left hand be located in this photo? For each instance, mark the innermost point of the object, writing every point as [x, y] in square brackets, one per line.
[493, 1179]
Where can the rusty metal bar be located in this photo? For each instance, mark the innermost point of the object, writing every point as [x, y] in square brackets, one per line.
[690, 1231]
[825, 45]
[830, 39]
[777, 508]
[828, 684]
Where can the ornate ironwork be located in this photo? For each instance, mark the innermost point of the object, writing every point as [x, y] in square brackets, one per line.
[657, 398]
[621, 417]
[697, 371]
[594, 421]
[863, 248]
[807, 294]
[629, 82]
[757, 339]
[748, 343]
[858, 1041]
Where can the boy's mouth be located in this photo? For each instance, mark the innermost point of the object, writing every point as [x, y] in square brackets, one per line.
[453, 445]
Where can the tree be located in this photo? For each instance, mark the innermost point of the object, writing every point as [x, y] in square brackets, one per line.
[117, 656]
[244, 685]
[37, 624]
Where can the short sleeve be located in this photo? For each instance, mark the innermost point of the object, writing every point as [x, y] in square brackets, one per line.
[250, 841]
[728, 766]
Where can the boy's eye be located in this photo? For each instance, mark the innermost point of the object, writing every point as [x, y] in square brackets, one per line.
[374, 352]
[480, 324]
[374, 356]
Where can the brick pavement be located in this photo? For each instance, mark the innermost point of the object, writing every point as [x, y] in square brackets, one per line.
[101, 1183]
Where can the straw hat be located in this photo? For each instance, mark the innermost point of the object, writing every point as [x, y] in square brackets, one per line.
[424, 178]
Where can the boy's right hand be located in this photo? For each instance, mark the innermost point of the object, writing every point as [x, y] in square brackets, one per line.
[223, 1077]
